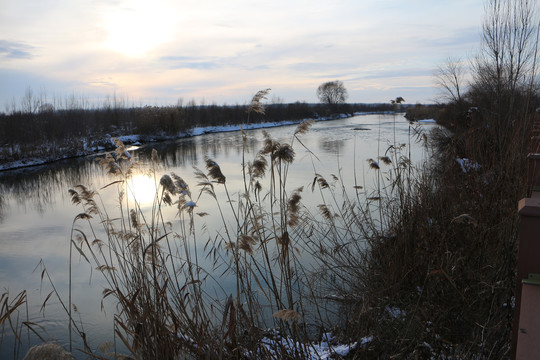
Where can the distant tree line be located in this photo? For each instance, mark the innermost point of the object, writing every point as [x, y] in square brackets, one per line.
[38, 124]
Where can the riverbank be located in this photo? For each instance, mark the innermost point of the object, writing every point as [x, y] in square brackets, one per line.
[47, 153]
[445, 260]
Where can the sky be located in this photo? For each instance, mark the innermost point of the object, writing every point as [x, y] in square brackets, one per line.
[160, 52]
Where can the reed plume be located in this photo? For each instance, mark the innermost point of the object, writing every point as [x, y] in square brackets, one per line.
[258, 167]
[168, 185]
[294, 207]
[287, 315]
[385, 159]
[270, 145]
[284, 153]
[214, 171]
[256, 105]
[303, 127]
[246, 243]
[181, 185]
[373, 164]
[325, 211]
[321, 181]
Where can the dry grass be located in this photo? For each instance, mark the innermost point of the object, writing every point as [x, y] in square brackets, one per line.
[48, 351]
[169, 306]
[438, 276]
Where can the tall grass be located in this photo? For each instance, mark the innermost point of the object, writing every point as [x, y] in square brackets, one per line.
[13, 317]
[427, 264]
[169, 304]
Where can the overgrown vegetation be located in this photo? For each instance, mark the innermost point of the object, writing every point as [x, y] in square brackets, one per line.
[439, 276]
[169, 304]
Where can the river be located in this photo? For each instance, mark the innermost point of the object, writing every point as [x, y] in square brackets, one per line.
[36, 212]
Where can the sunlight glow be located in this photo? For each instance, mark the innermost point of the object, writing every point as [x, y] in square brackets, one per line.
[142, 189]
[136, 28]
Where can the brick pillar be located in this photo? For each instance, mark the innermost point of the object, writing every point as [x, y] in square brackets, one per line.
[528, 346]
[533, 168]
[528, 252]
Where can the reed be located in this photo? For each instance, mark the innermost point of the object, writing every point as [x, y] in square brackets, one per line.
[14, 319]
[168, 304]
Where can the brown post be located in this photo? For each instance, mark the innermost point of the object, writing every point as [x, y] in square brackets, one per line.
[528, 346]
[528, 253]
[533, 169]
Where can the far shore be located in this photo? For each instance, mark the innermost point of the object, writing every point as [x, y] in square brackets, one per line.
[134, 141]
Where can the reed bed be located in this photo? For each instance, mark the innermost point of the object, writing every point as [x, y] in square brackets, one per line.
[169, 305]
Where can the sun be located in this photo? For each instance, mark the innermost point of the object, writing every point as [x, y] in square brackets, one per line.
[142, 188]
[137, 27]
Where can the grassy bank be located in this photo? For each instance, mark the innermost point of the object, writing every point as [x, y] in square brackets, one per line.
[440, 278]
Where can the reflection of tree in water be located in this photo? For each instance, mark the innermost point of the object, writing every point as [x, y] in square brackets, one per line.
[190, 152]
[181, 153]
[332, 146]
[41, 187]
[227, 143]
[2, 208]
[36, 187]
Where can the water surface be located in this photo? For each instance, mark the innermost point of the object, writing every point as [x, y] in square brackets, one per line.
[36, 213]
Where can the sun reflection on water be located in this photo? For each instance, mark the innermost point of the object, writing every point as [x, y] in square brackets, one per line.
[142, 188]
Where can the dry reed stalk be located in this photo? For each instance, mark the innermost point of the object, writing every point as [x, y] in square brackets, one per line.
[256, 104]
[48, 351]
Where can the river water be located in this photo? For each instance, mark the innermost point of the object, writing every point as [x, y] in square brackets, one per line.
[36, 213]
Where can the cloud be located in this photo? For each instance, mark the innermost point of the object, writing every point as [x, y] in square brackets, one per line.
[386, 74]
[102, 83]
[15, 50]
[186, 62]
[469, 36]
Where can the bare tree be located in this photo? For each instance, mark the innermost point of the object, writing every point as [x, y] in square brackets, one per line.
[30, 103]
[509, 47]
[450, 78]
[332, 93]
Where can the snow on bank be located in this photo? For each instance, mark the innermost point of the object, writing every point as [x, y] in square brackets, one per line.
[395, 312]
[468, 165]
[228, 128]
[134, 141]
[327, 348]
[38, 160]
[278, 346]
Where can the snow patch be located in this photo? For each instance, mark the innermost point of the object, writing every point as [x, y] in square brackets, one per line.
[128, 139]
[325, 349]
[468, 165]
[395, 312]
[228, 128]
